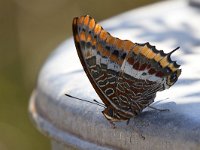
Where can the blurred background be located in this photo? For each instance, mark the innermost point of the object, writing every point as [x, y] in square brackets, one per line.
[29, 31]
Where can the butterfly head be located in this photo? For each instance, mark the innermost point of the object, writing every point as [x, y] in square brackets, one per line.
[113, 115]
[110, 114]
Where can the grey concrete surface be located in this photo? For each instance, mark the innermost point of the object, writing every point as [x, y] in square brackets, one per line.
[81, 125]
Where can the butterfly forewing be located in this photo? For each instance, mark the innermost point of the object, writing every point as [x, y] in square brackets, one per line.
[95, 47]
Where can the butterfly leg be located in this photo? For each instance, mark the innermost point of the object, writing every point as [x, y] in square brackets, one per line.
[158, 108]
[112, 124]
[127, 121]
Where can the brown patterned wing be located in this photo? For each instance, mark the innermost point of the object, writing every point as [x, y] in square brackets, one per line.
[125, 75]
[145, 71]
[101, 56]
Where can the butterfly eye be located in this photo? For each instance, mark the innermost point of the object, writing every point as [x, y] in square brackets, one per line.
[110, 111]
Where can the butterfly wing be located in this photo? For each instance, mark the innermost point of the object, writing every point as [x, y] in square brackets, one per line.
[125, 75]
[144, 72]
[99, 53]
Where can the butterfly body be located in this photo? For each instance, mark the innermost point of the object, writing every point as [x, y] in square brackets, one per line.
[125, 75]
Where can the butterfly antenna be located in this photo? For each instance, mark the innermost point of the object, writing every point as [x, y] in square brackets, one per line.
[99, 103]
[95, 101]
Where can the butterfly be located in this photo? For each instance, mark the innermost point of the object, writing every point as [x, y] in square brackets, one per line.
[125, 75]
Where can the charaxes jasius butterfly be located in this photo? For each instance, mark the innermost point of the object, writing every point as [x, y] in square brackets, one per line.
[125, 75]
